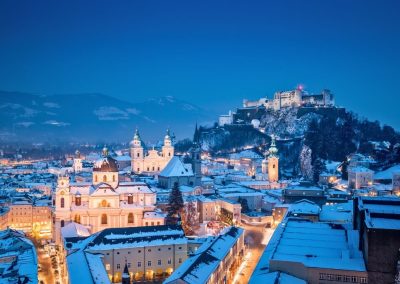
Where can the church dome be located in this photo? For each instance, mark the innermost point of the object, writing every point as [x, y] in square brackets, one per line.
[105, 164]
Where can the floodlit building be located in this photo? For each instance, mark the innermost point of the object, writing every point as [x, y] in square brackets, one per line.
[360, 177]
[216, 261]
[105, 202]
[149, 253]
[152, 162]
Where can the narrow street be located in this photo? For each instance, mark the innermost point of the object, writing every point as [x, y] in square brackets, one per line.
[256, 237]
[45, 270]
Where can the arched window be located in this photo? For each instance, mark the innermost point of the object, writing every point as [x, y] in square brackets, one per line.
[104, 219]
[62, 202]
[62, 223]
[95, 178]
[138, 169]
[113, 178]
[273, 166]
[130, 218]
[153, 169]
[138, 155]
[104, 178]
[103, 203]
[169, 154]
[78, 201]
[130, 199]
[77, 218]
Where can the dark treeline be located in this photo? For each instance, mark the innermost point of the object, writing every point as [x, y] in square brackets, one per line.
[333, 138]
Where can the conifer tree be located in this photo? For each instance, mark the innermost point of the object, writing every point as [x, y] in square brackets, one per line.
[175, 203]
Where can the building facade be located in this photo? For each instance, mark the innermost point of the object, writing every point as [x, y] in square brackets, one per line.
[104, 203]
[152, 162]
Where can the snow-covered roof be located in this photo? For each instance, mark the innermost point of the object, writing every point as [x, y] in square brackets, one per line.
[85, 267]
[18, 256]
[337, 213]
[176, 168]
[276, 277]
[73, 229]
[360, 169]
[246, 154]
[388, 173]
[318, 245]
[198, 268]
[304, 206]
[311, 244]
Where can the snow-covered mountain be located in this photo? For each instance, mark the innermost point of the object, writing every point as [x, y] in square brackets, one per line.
[27, 117]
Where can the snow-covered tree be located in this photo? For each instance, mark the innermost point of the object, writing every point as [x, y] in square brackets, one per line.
[305, 163]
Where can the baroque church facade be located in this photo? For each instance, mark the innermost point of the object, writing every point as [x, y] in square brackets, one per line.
[152, 162]
[103, 203]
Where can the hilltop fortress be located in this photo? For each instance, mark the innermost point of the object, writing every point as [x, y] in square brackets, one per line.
[253, 110]
[294, 98]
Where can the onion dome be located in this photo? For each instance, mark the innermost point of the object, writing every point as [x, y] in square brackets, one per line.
[273, 151]
[77, 154]
[136, 139]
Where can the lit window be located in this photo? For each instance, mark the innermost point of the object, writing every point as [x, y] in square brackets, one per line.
[108, 266]
[103, 219]
[130, 218]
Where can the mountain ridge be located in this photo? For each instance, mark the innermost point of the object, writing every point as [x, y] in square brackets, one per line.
[92, 117]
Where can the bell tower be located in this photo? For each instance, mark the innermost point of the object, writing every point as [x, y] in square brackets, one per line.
[273, 162]
[168, 148]
[137, 153]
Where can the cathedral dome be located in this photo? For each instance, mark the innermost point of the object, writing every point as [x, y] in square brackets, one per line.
[105, 164]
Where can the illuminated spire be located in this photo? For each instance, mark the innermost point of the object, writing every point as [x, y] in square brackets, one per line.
[273, 151]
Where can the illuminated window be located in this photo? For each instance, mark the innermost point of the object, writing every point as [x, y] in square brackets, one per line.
[78, 201]
[104, 178]
[95, 178]
[104, 203]
[104, 219]
[77, 218]
[130, 218]
[113, 178]
[130, 199]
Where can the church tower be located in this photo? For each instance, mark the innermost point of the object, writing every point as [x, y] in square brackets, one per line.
[62, 206]
[273, 162]
[137, 153]
[77, 162]
[264, 166]
[168, 148]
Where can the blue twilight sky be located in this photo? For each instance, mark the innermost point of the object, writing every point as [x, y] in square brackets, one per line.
[212, 53]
